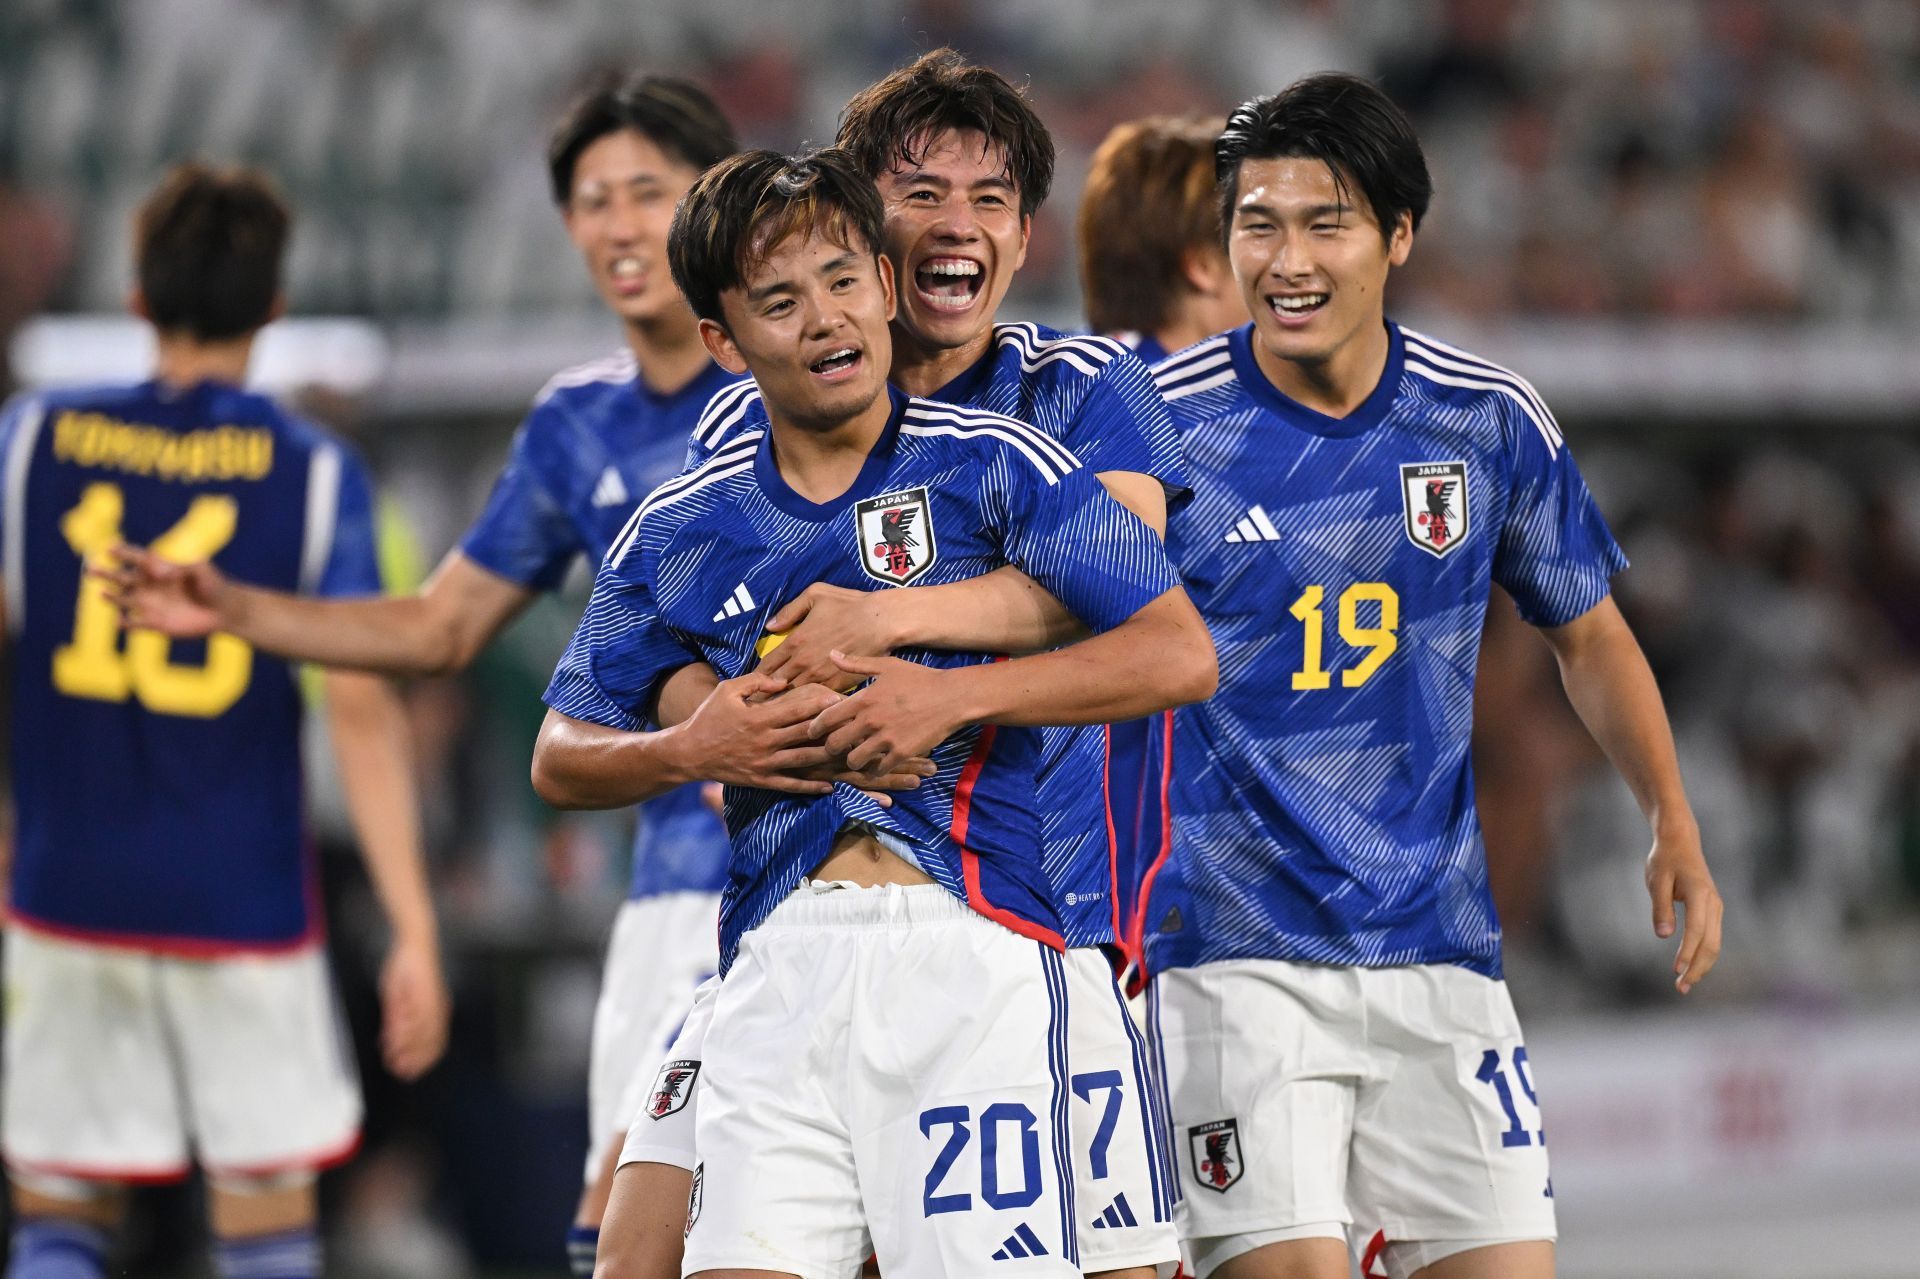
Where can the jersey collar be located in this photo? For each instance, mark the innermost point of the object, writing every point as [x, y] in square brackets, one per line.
[1363, 418]
[782, 495]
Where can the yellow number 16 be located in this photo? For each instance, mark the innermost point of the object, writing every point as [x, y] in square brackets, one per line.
[1380, 641]
[91, 665]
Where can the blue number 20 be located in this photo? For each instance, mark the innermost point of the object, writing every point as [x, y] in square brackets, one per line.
[992, 1119]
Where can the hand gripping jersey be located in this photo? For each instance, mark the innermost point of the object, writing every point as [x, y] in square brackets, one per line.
[157, 783]
[1095, 397]
[1322, 801]
[596, 441]
[946, 494]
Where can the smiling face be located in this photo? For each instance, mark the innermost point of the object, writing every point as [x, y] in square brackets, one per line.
[809, 321]
[624, 190]
[955, 230]
[1310, 259]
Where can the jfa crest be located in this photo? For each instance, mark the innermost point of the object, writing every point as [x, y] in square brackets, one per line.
[1216, 1153]
[672, 1088]
[1435, 497]
[896, 536]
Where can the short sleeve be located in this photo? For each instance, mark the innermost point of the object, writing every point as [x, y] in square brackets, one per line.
[1556, 555]
[620, 652]
[1124, 425]
[352, 564]
[524, 534]
[1087, 550]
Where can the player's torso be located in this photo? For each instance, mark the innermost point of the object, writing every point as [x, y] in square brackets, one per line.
[158, 781]
[1343, 568]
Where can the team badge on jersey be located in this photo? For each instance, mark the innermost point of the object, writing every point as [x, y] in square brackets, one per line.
[672, 1088]
[896, 536]
[1434, 495]
[1216, 1153]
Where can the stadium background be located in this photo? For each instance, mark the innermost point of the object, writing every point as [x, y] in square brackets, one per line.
[1694, 224]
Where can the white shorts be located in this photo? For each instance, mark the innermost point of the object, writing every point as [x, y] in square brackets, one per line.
[888, 1071]
[661, 949]
[662, 1128]
[125, 1066]
[1320, 1101]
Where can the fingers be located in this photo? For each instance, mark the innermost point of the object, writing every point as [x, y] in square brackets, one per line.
[801, 703]
[754, 684]
[865, 666]
[834, 718]
[795, 785]
[1700, 943]
[1660, 889]
[792, 612]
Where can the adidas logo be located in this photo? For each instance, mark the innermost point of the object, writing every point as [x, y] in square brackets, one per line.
[1020, 1244]
[1118, 1213]
[1255, 526]
[611, 490]
[737, 603]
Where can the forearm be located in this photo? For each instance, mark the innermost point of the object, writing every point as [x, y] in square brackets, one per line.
[372, 744]
[1004, 611]
[581, 765]
[1612, 689]
[1160, 657]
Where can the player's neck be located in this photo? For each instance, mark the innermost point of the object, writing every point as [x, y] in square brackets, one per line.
[1337, 385]
[669, 352]
[922, 370]
[182, 362]
[821, 462]
[1180, 332]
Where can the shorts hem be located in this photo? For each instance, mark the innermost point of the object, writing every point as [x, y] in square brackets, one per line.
[692, 1266]
[171, 946]
[1093, 1263]
[314, 1161]
[1192, 1227]
[1414, 1232]
[658, 1155]
[166, 1176]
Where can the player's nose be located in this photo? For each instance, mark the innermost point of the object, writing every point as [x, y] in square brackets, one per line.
[956, 220]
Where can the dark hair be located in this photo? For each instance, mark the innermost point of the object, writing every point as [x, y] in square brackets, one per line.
[675, 115]
[1347, 123]
[744, 207]
[208, 245]
[892, 120]
[1149, 199]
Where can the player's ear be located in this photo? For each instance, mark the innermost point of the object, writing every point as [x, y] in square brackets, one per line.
[1400, 243]
[721, 346]
[1026, 233]
[884, 265]
[1206, 270]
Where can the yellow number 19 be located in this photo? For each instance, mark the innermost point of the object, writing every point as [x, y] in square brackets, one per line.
[1380, 641]
[90, 665]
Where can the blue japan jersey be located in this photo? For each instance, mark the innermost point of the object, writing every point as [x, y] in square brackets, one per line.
[1095, 397]
[946, 494]
[1322, 802]
[157, 783]
[596, 440]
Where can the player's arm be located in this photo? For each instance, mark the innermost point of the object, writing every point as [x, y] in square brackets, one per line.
[369, 731]
[441, 629]
[1004, 611]
[1612, 688]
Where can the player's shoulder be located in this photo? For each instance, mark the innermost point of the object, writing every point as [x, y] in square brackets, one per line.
[1200, 377]
[587, 383]
[1040, 350]
[733, 408]
[1493, 393]
[696, 492]
[939, 427]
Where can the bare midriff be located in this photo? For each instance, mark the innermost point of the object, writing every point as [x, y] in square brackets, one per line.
[859, 858]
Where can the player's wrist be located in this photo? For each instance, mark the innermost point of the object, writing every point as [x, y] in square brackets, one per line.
[903, 621]
[672, 755]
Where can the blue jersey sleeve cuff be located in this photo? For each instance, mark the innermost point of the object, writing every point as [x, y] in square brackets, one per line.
[579, 698]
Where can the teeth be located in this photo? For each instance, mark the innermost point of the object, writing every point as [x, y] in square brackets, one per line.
[952, 267]
[626, 266]
[1298, 305]
[844, 353]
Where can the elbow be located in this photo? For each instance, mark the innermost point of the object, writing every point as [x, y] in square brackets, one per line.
[451, 652]
[550, 782]
[1199, 670]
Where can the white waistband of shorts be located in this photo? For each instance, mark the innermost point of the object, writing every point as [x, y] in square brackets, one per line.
[837, 904]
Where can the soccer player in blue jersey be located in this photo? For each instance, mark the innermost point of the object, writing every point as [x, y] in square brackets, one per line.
[1340, 1051]
[845, 1067]
[597, 438]
[962, 163]
[1154, 275]
[167, 994]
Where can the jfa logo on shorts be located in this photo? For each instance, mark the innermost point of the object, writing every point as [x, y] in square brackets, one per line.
[1434, 495]
[1216, 1153]
[672, 1088]
[694, 1196]
[896, 536]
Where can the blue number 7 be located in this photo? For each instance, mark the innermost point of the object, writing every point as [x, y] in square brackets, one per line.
[1083, 1087]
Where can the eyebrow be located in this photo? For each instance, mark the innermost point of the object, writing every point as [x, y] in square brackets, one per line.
[1309, 213]
[765, 291]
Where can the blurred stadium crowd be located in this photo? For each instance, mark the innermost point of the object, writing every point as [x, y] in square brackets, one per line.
[1685, 159]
